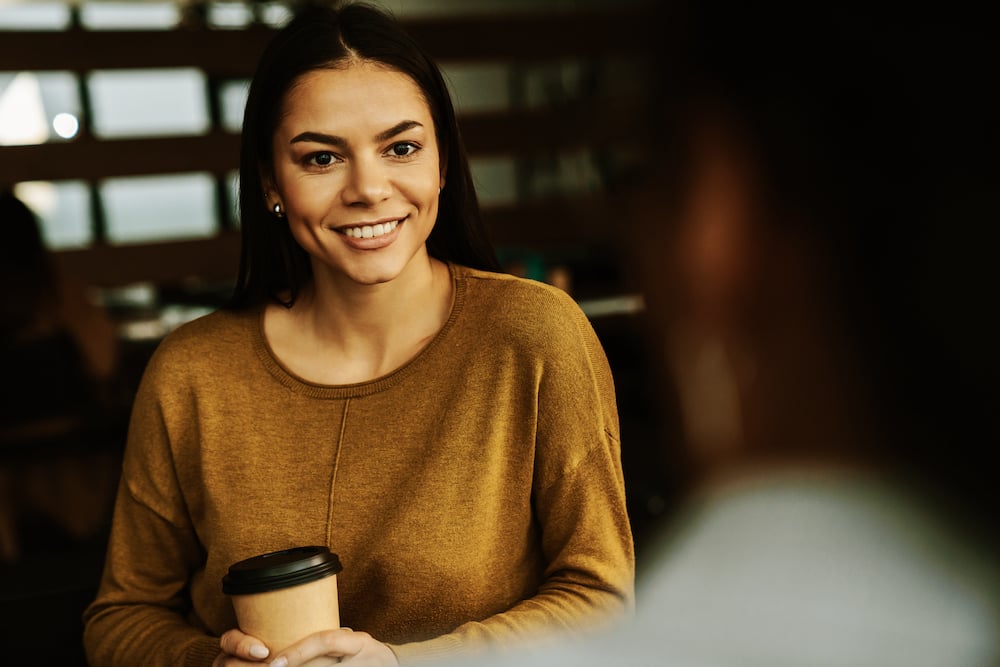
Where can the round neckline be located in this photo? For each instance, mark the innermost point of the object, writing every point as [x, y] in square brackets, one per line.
[339, 391]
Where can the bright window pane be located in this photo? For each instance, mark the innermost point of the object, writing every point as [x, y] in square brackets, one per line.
[36, 107]
[149, 102]
[34, 16]
[153, 208]
[60, 99]
[63, 210]
[232, 100]
[229, 15]
[274, 14]
[105, 15]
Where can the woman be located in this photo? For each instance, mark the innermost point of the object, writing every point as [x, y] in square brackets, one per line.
[450, 432]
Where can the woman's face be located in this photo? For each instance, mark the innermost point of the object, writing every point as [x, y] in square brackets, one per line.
[356, 169]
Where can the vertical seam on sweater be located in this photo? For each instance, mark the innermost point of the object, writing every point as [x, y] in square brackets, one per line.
[333, 474]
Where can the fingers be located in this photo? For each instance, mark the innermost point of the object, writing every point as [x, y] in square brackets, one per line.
[334, 644]
[340, 645]
[241, 645]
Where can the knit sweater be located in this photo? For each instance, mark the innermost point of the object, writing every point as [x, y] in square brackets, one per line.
[474, 495]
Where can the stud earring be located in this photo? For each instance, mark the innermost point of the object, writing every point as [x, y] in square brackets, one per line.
[277, 210]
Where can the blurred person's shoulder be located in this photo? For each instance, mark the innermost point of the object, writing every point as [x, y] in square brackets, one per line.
[836, 561]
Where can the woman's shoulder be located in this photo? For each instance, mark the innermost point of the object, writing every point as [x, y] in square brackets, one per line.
[524, 312]
[208, 339]
[517, 296]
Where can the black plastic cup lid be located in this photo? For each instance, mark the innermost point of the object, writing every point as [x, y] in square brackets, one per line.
[280, 569]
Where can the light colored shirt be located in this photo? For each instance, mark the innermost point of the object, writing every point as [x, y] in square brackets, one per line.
[811, 570]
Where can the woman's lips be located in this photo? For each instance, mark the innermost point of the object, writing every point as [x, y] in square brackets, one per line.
[369, 231]
[371, 236]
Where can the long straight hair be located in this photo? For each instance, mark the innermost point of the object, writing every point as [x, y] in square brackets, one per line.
[271, 262]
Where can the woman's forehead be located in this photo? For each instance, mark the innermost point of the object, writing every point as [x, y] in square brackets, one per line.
[368, 86]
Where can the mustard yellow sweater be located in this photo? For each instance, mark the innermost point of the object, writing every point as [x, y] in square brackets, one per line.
[474, 495]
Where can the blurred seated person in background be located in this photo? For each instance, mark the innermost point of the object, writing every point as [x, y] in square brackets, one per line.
[819, 238]
[59, 355]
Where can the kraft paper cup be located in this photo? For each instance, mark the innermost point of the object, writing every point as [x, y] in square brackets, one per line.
[283, 596]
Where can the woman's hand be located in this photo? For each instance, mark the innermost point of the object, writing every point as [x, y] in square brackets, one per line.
[343, 644]
[239, 649]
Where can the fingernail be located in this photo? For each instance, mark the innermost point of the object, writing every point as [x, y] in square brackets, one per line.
[259, 651]
[280, 662]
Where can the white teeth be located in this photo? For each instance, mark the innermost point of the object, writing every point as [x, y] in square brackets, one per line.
[371, 231]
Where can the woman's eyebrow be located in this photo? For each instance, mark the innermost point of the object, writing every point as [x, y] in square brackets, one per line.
[398, 128]
[319, 138]
[340, 142]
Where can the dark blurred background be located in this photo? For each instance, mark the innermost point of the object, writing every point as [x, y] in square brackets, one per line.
[119, 128]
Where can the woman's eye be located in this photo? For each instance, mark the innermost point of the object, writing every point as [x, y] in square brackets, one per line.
[321, 159]
[403, 149]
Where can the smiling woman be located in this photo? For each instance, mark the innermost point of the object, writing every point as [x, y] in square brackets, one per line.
[356, 152]
[375, 387]
[395, 77]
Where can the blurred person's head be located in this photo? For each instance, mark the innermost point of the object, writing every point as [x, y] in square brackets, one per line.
[819, 219]
[26, 277]
[327, 38]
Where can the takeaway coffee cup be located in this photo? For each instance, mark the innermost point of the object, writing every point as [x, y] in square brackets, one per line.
[283, 596]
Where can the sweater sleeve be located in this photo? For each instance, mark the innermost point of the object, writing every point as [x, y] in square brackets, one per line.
[578, 497]
[140, 615]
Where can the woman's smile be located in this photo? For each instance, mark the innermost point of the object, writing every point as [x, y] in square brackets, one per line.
[371, 236]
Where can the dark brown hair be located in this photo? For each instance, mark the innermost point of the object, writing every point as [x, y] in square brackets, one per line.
[271, 261]
[26, 275]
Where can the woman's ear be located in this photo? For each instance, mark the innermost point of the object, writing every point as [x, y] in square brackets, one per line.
[268, 187]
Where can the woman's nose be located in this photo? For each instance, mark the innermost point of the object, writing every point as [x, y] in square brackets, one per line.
[367, 183]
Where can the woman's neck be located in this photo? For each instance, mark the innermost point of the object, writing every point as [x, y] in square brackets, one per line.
[340, 332]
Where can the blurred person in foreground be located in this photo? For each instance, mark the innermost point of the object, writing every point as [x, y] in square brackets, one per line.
[819, 230]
